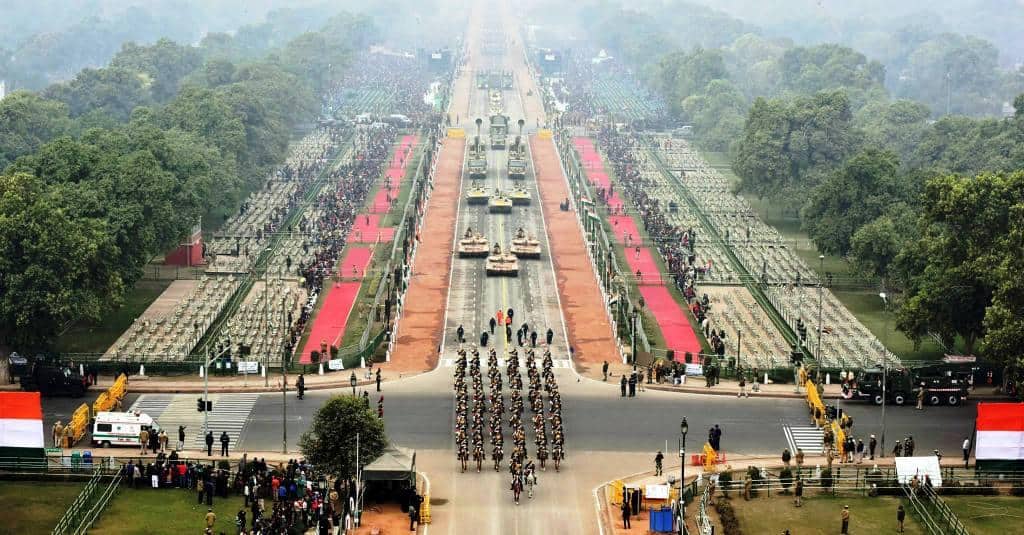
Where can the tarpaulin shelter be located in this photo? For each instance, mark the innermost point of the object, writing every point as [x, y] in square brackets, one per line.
[394, 464]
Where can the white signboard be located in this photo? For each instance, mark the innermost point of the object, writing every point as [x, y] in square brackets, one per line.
[335, 365]
[656, 492]
[248, 366]
[908, 467]
[435, 55]
[694, 369]
[549, 57]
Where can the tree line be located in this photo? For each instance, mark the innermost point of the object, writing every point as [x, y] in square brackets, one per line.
[109, 169]
[932, 207]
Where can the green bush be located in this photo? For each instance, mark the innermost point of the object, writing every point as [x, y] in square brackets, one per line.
[727, 516]
[826, 479]
[725, 482]
[786, 479]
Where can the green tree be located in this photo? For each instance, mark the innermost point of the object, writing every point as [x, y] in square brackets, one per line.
[876, 246]
[952, 270]
[165, 63]
[859, 192]
[330, 442]
[54, 264]
[27, 121]
[113, 91]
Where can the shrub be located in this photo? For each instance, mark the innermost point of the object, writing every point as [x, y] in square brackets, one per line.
[756, 479]
[726, 515]
[826, 479]
[786, 479]
[725, 482]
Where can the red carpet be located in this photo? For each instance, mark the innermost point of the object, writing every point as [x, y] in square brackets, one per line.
[353, 266]
[329, 324]
[671, 318]
[366, 230]
[672, 321]
[395, 174]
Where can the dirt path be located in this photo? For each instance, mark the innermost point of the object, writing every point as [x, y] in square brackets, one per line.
[590, 332]
[422, 322]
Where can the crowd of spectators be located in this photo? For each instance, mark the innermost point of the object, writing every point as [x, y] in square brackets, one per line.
[381, 84]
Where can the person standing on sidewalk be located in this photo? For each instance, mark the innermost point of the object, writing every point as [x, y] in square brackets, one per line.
[622, 385]
[920, 397]
[872, 444]
[143, 441]
[378, 379]
[799, 460]
[604, 370]
[786, 457]
[224, 441]
[626, 512]
[300, 386]
[967, 451]
[657, 463]
[209, 443]
[181, 437]
[743, 388]
[845, 517]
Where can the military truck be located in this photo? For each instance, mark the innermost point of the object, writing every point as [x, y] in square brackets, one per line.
[477, 161]
[506, 80]
[482, 79]
[941, 386]
[517, 156]
[499, 131]
[52, 379]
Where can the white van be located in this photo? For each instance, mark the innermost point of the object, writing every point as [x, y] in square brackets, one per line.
[121, 428]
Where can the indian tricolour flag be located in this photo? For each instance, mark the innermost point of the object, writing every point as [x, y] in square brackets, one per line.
[21, 424]
[1000, 429]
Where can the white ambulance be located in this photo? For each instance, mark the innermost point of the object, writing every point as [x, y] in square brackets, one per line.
[121, 428]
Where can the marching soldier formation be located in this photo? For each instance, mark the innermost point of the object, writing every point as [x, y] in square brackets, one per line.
[472, 404]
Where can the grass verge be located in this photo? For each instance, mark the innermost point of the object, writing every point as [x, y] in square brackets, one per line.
[163, 511]
[991, 515]
[88, 337]
[820, 515]
[34, 507]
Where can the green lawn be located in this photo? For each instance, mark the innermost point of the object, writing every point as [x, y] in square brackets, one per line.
[164, 511]
[991, 515]
[820, 515]
[34, 507]
[87, 337]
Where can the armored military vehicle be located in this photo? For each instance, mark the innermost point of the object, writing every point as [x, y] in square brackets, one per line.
[524, 246]
[500, 263]
[472, 245]
[499, 131]
[477, 161]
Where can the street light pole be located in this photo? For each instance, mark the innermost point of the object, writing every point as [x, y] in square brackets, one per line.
[683, 429]
[739, 350]
[821, 270]
[284, 389]
[885, 368]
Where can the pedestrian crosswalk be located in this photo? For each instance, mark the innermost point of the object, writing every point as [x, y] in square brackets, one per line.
[555, 363]
[230, 413]
[805, 437]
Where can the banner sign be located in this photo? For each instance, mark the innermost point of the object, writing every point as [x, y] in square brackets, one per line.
[694, 369]
[248, 366]
[335, 365]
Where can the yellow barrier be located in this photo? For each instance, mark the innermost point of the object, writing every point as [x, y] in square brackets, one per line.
[814, 402]
[544, 133]
[457, 133]
[840, 438]
[710, 457]
[618, 487]
[425, 510]
[112, 397]
[77, 426]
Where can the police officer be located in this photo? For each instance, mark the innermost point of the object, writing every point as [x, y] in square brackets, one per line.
[550, 336]
[300, 385]
[460, 332]
[493, 323]
[209, 443]
[622, 385]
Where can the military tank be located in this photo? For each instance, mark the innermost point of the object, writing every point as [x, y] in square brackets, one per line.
[524, 246]
[499, 203]
[472, 245]
[477, 195]
[519, 196]
[500, 263]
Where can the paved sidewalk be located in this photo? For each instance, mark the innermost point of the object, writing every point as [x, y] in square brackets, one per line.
[185, 384]
[731, 387]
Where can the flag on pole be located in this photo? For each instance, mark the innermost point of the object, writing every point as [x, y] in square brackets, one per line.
[1000, 429]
